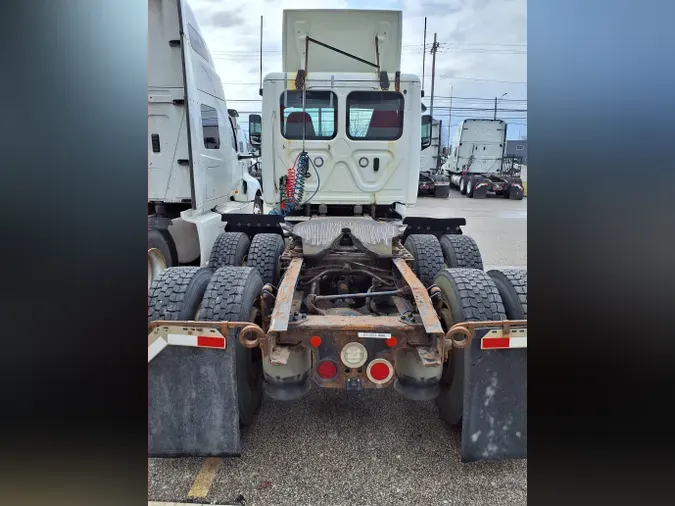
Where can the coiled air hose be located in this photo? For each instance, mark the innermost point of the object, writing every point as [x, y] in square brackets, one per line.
[295, 185]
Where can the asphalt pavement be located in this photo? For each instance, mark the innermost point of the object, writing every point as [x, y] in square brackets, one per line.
[379, 448]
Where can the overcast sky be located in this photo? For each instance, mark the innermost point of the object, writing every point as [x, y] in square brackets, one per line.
[482, 53]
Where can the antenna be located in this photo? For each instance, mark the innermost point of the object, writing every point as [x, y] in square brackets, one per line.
[424, 51]
[261, 36]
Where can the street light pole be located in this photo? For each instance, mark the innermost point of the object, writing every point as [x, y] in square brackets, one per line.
[503, 95]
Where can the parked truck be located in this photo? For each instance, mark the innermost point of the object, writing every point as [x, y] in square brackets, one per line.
[476, 166]
[433, 181]
[341, 287]
[198, 163]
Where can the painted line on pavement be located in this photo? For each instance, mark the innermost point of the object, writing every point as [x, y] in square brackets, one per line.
[202, 484]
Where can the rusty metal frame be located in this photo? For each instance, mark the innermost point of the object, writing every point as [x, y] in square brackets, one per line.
[284, 297]
[342, 328]
[430, 319]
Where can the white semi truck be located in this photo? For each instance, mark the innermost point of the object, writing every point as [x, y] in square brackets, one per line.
[197, 160]
[476, 164]
[342, 288]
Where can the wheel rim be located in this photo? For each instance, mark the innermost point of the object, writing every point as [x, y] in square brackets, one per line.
[156, 264]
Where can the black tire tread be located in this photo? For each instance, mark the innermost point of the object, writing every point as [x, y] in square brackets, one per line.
[512, 285]
[223, 298]
[169, 293]
[230, 296]
[264, 255]
[477, 294]
[461, 251]
[476, 298]
[428, 255]
[227, 250]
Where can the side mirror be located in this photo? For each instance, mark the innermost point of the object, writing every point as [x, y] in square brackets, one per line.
[426, 131]
[254, 129]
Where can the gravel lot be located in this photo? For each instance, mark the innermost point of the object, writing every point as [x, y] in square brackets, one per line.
[326, 449]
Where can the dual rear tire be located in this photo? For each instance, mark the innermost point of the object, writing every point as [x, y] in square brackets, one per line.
[474, 295]
[224, 291]
[431, 255]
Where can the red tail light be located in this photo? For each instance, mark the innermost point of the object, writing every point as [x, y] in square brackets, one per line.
[327, 369]
[380, 371]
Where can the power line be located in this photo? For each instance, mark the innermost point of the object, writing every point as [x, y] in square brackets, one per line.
[404, 46]
[486, 80]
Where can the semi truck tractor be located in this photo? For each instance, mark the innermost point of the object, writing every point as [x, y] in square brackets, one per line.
[433, 182]
[197, 161]
[476, 166]
[342, 288]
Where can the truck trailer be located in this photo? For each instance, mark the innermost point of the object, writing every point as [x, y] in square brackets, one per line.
[341, 288]
[198, 163]
[476, 166]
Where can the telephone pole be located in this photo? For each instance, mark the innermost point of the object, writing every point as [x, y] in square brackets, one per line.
[450, 115]
[434, 48]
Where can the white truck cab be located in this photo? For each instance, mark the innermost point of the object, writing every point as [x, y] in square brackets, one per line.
[197, 169]
[343, 101]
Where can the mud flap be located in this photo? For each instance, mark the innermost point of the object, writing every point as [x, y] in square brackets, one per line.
[194, 410]
[494, 419]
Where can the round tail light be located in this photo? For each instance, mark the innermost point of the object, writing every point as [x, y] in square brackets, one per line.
[380, 371]
[327, 369]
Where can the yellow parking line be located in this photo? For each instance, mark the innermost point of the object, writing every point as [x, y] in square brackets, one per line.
[202, 484]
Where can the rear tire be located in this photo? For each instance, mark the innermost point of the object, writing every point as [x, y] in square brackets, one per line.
[233, 295]
[177, 293]
[229, 249]
[461, 251]
[469, 187]
[462, 185]
[469, 295]
[428, 255]
[264, 255]
[162, 240]
[512, 286]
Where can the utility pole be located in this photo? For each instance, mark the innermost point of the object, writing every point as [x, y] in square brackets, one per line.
[450, 116]
[434, 48]
[424, 51]
[261, 37]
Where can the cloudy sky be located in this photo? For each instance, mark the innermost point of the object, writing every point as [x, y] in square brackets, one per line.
[482, 54]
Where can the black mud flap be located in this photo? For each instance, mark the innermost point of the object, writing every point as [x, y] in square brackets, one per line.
[494, 420]
[194, 410]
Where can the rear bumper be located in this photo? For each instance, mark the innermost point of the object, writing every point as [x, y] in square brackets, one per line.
[382, 337]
